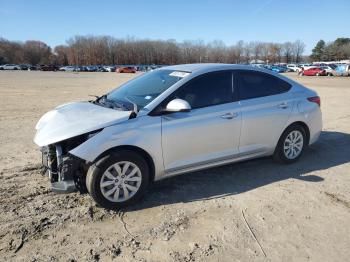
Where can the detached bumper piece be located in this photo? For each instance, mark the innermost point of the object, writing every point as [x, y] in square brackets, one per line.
[63, 187]
[63, 170]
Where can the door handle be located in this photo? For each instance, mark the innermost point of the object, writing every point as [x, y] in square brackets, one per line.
[229, 115]
[283, 105]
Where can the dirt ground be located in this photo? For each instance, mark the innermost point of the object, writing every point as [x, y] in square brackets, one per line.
[252, 211]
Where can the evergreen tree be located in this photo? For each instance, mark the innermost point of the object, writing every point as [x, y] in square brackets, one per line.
[318, 51]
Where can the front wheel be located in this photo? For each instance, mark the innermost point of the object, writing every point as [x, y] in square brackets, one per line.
[118, 180]
[291, 145]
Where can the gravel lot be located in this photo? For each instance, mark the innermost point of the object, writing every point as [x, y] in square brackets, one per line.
[252, 211]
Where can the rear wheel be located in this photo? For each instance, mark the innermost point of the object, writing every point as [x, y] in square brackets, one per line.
[117, 180]
[291, 144]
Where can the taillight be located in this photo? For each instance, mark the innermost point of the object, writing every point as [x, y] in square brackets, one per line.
[315, 99]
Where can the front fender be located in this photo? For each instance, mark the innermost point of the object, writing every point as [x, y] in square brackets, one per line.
[143, 132]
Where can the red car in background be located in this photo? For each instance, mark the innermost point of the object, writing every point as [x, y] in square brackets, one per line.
[314, 71]
[127, 69]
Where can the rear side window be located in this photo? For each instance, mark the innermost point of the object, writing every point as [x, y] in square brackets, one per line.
[207, 90]
[254, 84]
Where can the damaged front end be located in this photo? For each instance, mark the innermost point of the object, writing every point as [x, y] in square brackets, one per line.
[66, 171]
[61, 130]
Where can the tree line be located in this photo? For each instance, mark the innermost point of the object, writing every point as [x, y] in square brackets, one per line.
[332, 51]
[95, 50]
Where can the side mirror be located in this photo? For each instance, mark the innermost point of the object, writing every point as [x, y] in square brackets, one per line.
[178, 105]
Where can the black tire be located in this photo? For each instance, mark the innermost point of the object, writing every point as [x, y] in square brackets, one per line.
[279, 154]
[95, 172]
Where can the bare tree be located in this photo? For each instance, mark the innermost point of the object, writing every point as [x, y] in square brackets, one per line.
[61, 55]
[287, 50]
[256, 49]
[216, 51]
[247, 51]
[265, 52]
[10, 52]
[298, 50]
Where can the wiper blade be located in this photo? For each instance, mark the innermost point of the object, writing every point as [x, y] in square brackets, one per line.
[97, 97]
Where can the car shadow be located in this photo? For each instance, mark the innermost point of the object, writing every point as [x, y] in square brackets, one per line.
[332, 149]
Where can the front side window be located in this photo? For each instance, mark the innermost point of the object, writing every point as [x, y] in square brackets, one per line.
[254, 84]
[207, 90]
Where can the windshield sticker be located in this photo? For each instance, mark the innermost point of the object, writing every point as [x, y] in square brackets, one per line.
[148, 97]
[179, 74]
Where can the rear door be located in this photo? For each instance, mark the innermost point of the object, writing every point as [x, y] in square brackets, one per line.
[265, 106]
[210, 131]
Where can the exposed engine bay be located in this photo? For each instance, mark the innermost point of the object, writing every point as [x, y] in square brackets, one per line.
[66, 171]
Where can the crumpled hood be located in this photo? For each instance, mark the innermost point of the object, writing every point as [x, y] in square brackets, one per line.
[73, 119]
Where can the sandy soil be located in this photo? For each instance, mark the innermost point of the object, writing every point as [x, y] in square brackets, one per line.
[299, 212]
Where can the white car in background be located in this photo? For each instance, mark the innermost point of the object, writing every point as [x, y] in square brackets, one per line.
[69, 68]
[294, 68]
[109, 68]
[330, 71]
[10, 67]
[306, 66]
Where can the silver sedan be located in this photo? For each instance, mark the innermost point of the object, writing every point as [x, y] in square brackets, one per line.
[175, 120]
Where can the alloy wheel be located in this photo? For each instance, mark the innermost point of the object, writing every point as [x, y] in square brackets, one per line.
[120, 181]
[293, 144]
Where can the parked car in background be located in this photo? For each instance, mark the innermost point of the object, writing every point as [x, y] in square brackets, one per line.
[342, 70]
[259, 65]
[33, 67]
[277, 69]
[24, 66]
[91, 68]
[110, 68]
[10, 67]
[294, 67]
[330, 71]
[175, 120]
[82, 69]
[101, 69]
[314, 71]
[126, 69]
[69, 68]
[48, 68]
[306, 67]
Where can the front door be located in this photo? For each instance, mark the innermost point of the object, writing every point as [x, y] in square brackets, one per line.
[210, 131]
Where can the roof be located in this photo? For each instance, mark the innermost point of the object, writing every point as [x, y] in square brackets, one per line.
[205, 66]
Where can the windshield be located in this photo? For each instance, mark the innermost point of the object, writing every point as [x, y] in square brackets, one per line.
[146, 88]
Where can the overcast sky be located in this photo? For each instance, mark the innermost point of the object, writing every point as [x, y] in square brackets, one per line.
[266, 20]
